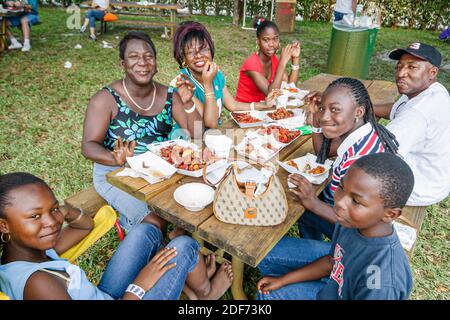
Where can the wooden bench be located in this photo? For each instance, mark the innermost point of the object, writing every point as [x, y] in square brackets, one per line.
[413, 217]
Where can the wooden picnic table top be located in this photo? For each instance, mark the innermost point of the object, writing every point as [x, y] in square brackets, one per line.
[248, 243]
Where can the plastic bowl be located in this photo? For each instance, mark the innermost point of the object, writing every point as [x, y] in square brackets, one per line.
[194, 196]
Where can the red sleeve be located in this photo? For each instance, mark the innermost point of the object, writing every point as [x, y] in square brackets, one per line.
[252, 64]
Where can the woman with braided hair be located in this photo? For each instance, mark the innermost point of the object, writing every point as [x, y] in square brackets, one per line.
[344, 125]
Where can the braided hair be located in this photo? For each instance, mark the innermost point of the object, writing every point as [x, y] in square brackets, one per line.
[362, 98]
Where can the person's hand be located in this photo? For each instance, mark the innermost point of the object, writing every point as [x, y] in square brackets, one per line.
[286, 54]
[156, 268]
[185, 88]
[122, 150]
[296, 49]
[267, 284]
[209, 72]
[304, 190]
[312, 102]
[270, 101]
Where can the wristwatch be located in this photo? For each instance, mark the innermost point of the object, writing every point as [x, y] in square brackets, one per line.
[316, 130]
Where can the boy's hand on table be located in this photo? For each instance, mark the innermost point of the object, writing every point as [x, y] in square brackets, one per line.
[267, 284]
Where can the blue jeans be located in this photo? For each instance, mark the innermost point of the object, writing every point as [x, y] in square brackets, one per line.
[338, 15]
[131, 210]
[134, 253]
[290, 254]
[16, 21]
[93, 15]
[312, 226]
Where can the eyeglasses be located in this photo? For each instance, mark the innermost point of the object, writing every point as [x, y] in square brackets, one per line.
[191, 53]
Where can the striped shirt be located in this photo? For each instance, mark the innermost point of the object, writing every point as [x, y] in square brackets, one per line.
[361, 142]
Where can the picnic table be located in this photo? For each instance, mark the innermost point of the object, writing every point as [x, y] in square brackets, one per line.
[144, 10]
[246, 244]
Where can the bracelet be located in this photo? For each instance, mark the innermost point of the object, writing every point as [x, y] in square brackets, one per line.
[252, 106]
[295, 67]
[209, 94]
[316, 130]
[191, 109]
[136, 290]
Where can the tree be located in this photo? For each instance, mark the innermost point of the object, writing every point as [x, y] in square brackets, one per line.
[238, 10]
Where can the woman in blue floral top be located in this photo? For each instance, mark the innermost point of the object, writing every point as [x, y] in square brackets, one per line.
[126, 116]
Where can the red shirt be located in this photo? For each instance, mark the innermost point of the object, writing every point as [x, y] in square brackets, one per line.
[246, 89]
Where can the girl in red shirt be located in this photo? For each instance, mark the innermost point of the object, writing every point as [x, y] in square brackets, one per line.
[262, 71]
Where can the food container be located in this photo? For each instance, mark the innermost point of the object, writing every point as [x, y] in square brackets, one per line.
[157, 147]
[258, 148]
[299, 165]
[258, 117]
[151, 166]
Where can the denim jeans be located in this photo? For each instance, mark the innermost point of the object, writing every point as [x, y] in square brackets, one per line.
[131, 210]
[338, 16]
[93, 15]
[134, 253]
[312, 226]
[290, 254]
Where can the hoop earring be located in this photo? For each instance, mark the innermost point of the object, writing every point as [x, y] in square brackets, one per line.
[3, 240]
[183, 64]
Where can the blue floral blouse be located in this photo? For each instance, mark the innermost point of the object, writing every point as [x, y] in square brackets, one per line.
[132, 126]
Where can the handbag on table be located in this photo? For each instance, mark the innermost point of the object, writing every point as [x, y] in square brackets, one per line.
[235, 206]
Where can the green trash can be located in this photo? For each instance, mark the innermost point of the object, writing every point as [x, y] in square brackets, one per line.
[350, 51]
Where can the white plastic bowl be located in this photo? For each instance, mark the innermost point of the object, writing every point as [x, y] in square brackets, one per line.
[194, 196]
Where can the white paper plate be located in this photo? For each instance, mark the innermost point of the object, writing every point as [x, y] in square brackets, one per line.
[194, 196]
[311, 160]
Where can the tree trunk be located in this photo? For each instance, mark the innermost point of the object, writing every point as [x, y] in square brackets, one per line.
[238, 9]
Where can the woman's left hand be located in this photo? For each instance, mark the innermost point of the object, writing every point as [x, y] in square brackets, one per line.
[185, 88]
[304, 190]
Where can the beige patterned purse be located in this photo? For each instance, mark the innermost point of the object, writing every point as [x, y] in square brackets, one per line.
[231, 205]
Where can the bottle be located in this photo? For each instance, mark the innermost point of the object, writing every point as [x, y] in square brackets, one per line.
[357, 21]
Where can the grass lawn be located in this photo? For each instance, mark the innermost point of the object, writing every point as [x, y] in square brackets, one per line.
[42, 108]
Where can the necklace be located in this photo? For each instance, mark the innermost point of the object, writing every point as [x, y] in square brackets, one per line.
[199, 85]
[132, 100]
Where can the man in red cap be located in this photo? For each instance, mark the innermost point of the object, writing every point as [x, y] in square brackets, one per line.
[420, 120]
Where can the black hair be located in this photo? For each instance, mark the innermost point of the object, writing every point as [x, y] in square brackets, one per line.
[139, 35]
[11, 181]
[186, 32]
[394, 175]
[262, 24]
[362, 98]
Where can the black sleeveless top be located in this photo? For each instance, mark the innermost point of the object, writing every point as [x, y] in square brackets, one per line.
[131, 126]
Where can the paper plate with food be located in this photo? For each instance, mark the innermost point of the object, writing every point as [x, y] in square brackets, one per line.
[257, 147]
[188, 158]
[280, 133]
[307, 166]
[248, 119]
[288, 118]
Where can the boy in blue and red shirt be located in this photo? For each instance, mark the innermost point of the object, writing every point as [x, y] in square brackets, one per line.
[365, 259]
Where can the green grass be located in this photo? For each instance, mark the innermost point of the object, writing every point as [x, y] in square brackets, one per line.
[42, 107]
